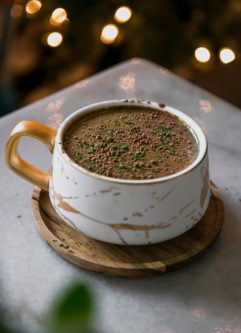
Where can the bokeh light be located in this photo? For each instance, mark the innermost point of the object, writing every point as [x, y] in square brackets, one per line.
[54, 39]
[226, 55]
[16, 10]
[202, 54]
[123, 14]
[58, 16]
[33, 6]
[109, 34]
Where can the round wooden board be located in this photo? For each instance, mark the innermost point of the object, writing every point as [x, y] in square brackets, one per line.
[122, 260]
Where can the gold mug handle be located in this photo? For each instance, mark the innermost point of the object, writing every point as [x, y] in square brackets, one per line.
[16, 163]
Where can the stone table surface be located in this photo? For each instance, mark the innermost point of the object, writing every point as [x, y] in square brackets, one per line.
[203, 297]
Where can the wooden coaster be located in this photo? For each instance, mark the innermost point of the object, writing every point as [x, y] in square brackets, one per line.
[121, 260]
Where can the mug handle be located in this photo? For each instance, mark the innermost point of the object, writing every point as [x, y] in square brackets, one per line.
[16, 163]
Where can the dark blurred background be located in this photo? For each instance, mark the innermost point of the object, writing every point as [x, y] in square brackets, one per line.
[47, 45]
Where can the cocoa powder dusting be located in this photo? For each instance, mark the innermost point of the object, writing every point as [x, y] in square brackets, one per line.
[131, 143]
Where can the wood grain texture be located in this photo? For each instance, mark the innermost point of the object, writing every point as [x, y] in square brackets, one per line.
[121, 260]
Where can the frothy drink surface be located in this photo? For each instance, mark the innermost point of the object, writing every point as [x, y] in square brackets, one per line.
[131, 143]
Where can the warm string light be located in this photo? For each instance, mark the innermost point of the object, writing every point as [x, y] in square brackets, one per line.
[202, 54]
[54, 39]
[58, 17]
[33, 6]
[16, 10]
[123, 14]
[226, 55]
[109, 33]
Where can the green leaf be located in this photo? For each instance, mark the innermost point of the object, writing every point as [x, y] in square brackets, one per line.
[5, 329]
[71, 312]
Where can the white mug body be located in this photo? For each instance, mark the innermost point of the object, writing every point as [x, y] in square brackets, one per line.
[129, 212]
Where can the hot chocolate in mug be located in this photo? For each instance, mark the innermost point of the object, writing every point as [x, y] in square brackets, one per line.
[118, 211]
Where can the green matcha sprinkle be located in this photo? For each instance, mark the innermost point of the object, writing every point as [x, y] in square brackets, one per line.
[117, 122]
[121, 167]
[129, 122]
[139, 155]
[78, 156]
[80, 145]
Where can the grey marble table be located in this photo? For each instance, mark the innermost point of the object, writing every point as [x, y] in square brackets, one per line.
[202, 297]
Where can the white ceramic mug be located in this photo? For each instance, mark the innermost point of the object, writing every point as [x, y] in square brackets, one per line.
[119, 211]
